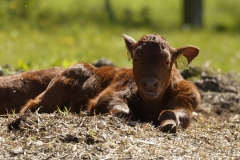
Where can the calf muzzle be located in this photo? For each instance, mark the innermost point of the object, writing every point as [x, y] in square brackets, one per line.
[150, 86]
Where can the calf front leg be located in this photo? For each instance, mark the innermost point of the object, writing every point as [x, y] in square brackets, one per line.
[171, 119]
[183, 99]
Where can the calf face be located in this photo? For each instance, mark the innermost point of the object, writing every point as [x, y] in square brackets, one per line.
[153, 60]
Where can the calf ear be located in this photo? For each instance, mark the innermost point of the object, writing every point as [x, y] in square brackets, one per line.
[129, 41]
[190, 52]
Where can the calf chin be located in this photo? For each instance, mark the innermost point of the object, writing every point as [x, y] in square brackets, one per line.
[151, 95]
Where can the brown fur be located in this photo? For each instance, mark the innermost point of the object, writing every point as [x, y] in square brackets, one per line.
[152, 91]
[17, 89]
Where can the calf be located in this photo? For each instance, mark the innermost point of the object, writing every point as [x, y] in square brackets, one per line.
[17, 89]
[152, 91]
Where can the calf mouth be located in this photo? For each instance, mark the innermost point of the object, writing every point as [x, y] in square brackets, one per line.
[151, 94]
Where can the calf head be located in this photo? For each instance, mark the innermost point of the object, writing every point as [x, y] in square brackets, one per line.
[153, 61]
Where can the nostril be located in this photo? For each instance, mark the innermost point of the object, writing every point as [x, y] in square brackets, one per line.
[144, 84]
[155, 84]
[149, 84]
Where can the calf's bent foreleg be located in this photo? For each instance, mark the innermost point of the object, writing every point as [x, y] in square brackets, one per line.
[183, 100]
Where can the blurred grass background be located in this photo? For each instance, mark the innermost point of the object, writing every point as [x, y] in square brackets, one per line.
[39, 34]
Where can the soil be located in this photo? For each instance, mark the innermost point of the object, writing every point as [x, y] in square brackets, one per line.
[214, 133]
[220, 93]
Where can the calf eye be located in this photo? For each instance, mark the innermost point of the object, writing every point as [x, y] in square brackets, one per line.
[135, 60]
[167, 62]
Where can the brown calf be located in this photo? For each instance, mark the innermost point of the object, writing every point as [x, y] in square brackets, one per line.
[152, 91]
[17, 89]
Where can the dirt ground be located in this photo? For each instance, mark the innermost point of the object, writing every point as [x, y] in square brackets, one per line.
[214, 133]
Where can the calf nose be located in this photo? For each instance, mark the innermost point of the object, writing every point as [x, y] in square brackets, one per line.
[149, 84]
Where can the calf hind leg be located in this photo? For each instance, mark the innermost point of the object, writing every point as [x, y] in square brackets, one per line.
[54, 96]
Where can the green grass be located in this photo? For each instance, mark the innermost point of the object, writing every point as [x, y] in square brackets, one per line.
[53, 33]
[65, 111]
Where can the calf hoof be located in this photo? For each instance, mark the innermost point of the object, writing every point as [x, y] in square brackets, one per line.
[168, 126]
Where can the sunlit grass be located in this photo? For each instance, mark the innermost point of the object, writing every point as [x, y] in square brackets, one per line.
[88, 35]
[37, 50]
